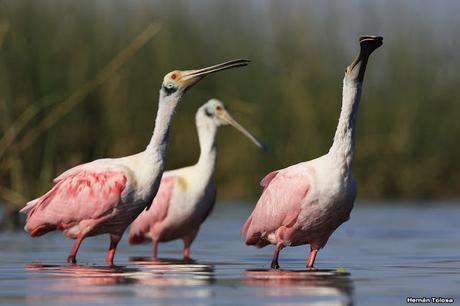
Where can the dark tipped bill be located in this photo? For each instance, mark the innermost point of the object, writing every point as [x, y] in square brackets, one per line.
[192, 74]
[226, 116]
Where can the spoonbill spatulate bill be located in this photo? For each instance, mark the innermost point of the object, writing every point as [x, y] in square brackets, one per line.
[187, 195]
[305, 203]
[106, 195]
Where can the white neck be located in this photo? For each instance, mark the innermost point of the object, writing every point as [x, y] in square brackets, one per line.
[343, 147]
[159, 142]
[207, 132]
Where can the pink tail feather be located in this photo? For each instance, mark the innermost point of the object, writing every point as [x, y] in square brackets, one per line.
[42, 229]
[254, 239]
[246, 226]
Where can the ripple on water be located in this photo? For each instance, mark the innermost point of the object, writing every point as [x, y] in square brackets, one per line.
[386, 261]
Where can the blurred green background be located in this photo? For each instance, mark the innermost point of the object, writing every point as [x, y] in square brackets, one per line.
[79, 80]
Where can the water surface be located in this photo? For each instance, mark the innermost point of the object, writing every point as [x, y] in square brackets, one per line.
[388, 253]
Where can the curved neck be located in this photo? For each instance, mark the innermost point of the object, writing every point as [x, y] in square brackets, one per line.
[159, 142]
[207, 132]
[344, 140]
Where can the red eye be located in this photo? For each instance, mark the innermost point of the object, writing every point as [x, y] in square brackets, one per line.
[218, 108]
[173, 76]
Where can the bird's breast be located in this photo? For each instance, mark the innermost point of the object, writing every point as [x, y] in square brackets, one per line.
[191, 203]
[330, 201]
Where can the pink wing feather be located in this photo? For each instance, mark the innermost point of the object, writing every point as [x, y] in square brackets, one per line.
[140, 228]
[279, 204]
[264, 183]
[268, 178]
[84, 193]
[99, 165]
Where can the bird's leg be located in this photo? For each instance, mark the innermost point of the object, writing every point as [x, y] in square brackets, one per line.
[311, 258]
[186, 251]
[275, 264]
[72, 258]
[155, 249]
[187, 243]
[114, 239]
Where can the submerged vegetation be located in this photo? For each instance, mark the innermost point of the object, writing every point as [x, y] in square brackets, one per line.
[80, 80]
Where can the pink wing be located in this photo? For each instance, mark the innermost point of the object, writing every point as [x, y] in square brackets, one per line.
[279, 204]
[99, 165]
[140, 228]
[264, 183]
[268, 178]
[85, 193]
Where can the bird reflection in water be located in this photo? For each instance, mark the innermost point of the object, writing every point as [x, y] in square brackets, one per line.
[167, 272]
[320, 284]
[153, 279]
[88, 275]
[192, 277]
[78, 283]
[175, 271]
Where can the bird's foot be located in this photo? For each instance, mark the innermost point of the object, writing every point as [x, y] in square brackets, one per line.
[311, 268]
[275, 265]
[71, 259]
[109, 262]
[188, 259]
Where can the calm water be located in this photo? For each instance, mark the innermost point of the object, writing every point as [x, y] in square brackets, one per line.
[388, 254]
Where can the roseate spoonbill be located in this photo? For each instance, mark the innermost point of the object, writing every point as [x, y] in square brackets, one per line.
[106, 195]
[187, 195]
[305, 203]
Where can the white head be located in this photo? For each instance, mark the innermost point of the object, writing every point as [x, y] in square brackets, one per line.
[213, 113]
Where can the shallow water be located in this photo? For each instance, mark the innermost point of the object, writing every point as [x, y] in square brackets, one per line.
[388, 252]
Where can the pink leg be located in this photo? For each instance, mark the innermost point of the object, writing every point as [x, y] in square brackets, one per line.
[311, 258]
[72, 258]
[155, 249]
[275, 264]
[112, 249]
[187, 243]
[186, 251]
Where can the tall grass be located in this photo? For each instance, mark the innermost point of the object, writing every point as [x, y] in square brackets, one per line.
[408, 125]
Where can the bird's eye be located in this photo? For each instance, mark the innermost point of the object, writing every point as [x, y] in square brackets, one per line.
[169, 88]
[207, 112]
[219, 108]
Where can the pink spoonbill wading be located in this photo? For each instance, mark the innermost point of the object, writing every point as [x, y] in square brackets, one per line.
[106, 195]
[305, 203]
[187, 195]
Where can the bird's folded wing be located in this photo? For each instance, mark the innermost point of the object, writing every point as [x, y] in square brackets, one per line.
[268, 178]
[158, 211]
[84, 192]
[160, 205]
[96, 166]
[280, 202]
[159, 208]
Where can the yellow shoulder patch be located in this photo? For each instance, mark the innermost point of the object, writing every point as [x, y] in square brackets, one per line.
[182, 182]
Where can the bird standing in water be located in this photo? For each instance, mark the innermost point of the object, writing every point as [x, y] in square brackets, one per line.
[106, 195]
[305, 203]
[187, 195]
